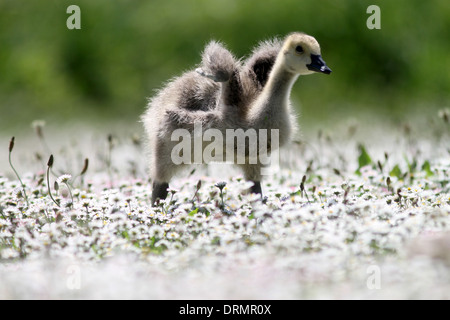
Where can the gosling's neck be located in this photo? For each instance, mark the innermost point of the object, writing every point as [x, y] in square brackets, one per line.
[272, 106]
[279, 85]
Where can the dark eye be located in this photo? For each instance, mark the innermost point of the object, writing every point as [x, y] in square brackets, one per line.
[299, 49]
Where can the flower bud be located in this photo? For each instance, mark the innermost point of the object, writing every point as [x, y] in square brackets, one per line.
[11, 144]
[50, 161]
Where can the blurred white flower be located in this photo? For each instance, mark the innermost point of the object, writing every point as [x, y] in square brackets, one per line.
[63, 178]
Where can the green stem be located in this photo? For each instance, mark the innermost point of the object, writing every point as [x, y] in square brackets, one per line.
[49, 189]
[18, 177]
[70, 192]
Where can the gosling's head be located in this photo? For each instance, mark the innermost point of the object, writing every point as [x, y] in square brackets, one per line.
[302, 55]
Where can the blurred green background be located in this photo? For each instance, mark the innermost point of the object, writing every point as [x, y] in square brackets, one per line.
[127, 49]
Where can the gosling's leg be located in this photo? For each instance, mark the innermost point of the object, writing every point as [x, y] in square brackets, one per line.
[162, 167]
[159, 191]
[252, 172]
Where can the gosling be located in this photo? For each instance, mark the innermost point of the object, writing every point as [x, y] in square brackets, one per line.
[227, 93]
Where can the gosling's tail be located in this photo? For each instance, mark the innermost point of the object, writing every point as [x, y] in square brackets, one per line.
[218, 63]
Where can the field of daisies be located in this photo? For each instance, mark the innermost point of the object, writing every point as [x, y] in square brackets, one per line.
[352, 212]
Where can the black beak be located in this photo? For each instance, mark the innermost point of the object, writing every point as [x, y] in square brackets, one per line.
[317, 64]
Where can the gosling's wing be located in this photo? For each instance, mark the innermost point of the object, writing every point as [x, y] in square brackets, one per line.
[263, 58]
[218, 64]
